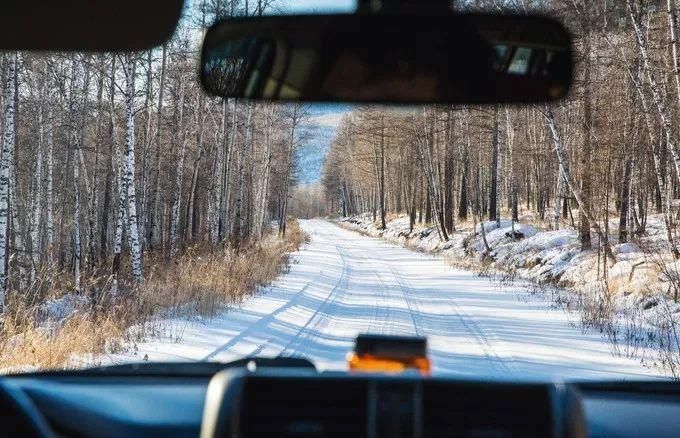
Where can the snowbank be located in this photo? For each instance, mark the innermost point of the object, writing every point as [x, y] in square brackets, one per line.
[60, 309]
[543, 256]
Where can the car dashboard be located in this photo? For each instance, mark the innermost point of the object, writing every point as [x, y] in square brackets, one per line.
[252, 401]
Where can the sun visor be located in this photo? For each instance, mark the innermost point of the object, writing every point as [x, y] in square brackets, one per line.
[87, 25]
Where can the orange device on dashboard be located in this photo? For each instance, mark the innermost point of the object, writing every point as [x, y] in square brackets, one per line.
[389, 354]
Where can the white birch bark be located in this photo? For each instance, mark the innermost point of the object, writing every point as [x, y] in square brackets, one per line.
[17, 232]
[5, 158]
[122, 190]
[129, 170]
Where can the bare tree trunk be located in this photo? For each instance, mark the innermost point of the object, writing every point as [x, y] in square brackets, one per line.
[449, 164]
[425, 145]
[237, 226]
[225, 196]
[17, 228]
[512, 192]
[625, 200]
[463, 198]
[74, 141]
[673, 33]
[654, 87]
[263, 188]
[49, 194]
[93, 206]
[129, 170]
[494, 195]
[36, 208]
[177, 200]
[383, 224]
[288, 170]
[586, 150]
[562, 160]
[154, 215]
[191, 225]
[146, 152]
[559, 198]
[5, 159]
[661, 185]
[114, 159]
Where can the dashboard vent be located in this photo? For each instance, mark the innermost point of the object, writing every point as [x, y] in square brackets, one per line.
[304, 408]
[464, 410]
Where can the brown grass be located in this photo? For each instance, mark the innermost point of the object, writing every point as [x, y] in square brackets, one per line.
[200, 281]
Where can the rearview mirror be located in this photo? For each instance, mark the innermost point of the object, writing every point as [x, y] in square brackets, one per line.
[389, 58]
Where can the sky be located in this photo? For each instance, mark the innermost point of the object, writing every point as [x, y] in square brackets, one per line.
[321, 5]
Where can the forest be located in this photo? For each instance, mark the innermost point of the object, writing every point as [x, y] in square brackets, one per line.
[118, 167]
[601, 161]
[124, 186]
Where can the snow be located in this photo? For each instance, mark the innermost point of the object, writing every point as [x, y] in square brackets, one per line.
[626, 248]
[60, 309]
[541, 256]
[342, 284]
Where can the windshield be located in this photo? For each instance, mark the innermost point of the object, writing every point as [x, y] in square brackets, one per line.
[143, 220]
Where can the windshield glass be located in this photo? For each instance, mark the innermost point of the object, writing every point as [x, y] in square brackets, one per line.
[143, 220]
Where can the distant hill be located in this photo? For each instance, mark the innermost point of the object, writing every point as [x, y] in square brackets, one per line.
[319, 132]
[312, 153]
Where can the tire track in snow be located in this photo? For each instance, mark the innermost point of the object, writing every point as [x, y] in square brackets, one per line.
[406, 292]
[474, 329]
[383, 321]
[383, 316]
[482, 338]
[319, 318]
[260, 325]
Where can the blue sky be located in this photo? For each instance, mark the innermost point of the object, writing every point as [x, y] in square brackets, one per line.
[320, 5]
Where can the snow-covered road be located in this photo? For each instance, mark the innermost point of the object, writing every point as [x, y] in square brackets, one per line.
[343, 284]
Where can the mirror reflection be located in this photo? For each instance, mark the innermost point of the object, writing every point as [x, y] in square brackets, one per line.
[389, 58]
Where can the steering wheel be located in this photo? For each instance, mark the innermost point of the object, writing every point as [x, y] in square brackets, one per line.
[19, 416]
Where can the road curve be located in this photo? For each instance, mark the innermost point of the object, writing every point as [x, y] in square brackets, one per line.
[342, 284]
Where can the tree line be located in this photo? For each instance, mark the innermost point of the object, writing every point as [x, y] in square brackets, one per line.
[107, 157]
[609, 153]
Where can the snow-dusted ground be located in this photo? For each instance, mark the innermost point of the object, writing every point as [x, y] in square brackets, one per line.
[543, 256]
[342, 284]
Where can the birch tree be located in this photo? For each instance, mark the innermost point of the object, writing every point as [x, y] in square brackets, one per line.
[128, 170]
[5, 158]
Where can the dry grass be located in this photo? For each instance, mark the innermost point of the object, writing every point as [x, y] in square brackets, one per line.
[200, 281]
